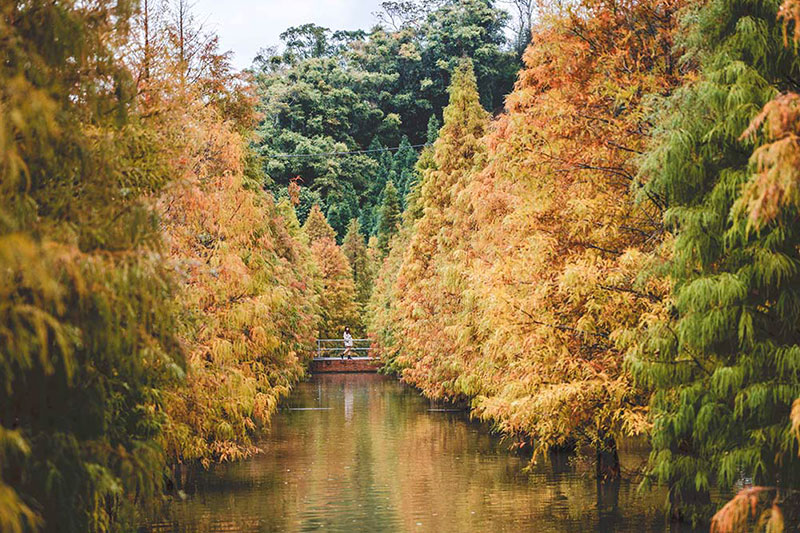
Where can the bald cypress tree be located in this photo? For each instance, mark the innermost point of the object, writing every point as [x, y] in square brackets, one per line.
[725, 367]
[316, 227]
[85, 298]
[337, 288]
[428, 286]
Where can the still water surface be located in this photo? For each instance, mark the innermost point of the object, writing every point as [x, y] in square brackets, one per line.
[363, 453]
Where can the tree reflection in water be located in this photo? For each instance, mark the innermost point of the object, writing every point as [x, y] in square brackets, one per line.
[367, 454]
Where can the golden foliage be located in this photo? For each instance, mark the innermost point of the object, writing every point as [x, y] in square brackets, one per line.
[247, 292]
[337, 292]
[427, 282]
[518, 284]
[316, 226]
[776, 183]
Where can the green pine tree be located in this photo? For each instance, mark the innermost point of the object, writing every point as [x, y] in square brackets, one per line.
[339, 214]
[383, 166]
[725, 368]
[390, 216]
[433, 129]
[405, 159]
[355, 249]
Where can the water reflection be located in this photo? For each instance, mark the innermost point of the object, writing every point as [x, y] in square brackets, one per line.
[348, 400]
[363, 453]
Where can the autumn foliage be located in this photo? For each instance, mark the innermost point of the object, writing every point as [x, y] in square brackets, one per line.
[518, 288]
[247, 291]
[156, 303]
[617, 255]
[337, 292]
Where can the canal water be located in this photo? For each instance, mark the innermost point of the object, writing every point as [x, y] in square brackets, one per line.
[364, 453]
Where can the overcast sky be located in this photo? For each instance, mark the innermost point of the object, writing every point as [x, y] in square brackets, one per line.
[244, 26]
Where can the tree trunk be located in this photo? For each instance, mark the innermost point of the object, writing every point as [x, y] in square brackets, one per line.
[607, 459]
[608, 504]
[147, 53]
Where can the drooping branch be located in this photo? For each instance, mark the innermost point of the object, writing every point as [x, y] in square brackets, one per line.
[647, 295]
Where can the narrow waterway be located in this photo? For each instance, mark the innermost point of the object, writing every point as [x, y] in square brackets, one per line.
[363, 453]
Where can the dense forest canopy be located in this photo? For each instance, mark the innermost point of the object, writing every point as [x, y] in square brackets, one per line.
[334, 91]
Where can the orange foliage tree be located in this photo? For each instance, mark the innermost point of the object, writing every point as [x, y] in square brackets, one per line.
[132, 241]
[558, 292]
[248, 298]
[337, 292]
[519, 286]
[430, 280]
[247, 286]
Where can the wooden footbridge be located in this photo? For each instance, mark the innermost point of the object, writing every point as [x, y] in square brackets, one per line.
[330, 357]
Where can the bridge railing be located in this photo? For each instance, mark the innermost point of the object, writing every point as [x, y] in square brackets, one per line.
[334, 347]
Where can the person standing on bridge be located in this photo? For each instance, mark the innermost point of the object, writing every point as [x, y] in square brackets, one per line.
[348, 344]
